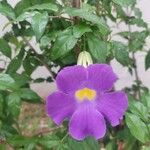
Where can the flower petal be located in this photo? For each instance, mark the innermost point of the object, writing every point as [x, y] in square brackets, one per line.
[101, 77]
[87, 121]
[59, 106]
[113, 106]
[70, 78]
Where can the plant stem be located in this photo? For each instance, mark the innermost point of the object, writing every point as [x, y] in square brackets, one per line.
[37, 56]
[137, 79]
[64, 138]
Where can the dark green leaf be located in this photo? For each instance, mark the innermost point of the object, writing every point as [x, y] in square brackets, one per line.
[147, 61]
[121, 54]
[98, 48]
[14, 104]
[30, 64]
[64, 44]
[38, 23]
[5, 48]
[21, 141]
[80, 29]
[89, 17]
[29, 95]
[6, 10]
[137, 127]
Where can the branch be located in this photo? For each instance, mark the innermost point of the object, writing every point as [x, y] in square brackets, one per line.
[37, 55]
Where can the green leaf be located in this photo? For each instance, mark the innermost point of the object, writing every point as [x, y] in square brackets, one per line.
[64, 44]
[145, 98]
[5, 48]
[125, 2]
[138, 21]
[137, 12]
[139, 109]
[38, 23]
[14, 103]
[147, 61]
[87, 144]
[80, 29]
[21, 141]
[49, 141]
[30, 64]
[25, 16]
[44, 6]
[29, 95]
[138, 40]
[21, 79]
[7, 82]
[98, 48]
[137, 127]
[15, 63]
[75, 12]
[6, 10]
[121, 54]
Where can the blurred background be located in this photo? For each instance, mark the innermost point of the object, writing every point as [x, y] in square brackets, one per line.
[125, 78]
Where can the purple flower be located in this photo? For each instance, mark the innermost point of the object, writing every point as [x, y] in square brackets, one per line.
[85, 99]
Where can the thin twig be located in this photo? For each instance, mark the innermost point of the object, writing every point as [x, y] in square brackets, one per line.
[47, 131]
[37, 55]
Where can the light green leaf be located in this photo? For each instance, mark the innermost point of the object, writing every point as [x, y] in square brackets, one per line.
[25, 16]
[137, 12]
[139, 109]
[80, 29]
[137, 127]
[89, 17]
[6, 10]
[5, 48]
[64, 44]
[98, 48]
[29, 95]
[125, 2]
[38, 23]
[44, 6]
[49, 141]
[145, 98]
[14, 103]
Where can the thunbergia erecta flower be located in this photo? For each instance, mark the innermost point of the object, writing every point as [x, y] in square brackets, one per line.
[84, 97]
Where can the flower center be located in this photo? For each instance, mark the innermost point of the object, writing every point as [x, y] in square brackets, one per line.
[85, 94]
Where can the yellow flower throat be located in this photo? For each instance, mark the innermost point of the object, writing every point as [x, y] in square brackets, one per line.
[85, 94]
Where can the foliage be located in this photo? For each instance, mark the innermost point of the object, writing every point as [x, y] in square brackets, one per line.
[62, 31]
